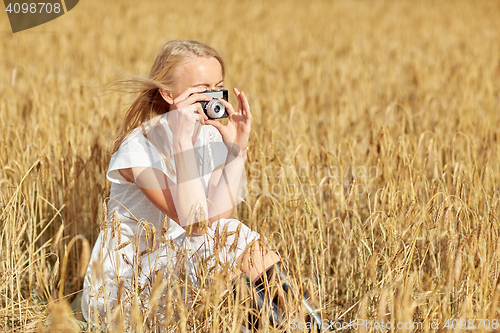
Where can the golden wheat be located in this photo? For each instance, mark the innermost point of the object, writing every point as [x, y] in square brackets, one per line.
[373, 167]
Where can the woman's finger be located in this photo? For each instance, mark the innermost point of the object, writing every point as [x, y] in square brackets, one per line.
[218, 125]
[229, 107]
[190, 112]
[189, 92]
[242, 101]
[202, 117]
[245, 106]
[237, 93]
[192, 99]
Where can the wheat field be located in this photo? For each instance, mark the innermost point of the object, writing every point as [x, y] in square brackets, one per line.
[373, 166]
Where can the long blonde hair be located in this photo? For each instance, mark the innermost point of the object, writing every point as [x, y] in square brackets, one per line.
[150, 103]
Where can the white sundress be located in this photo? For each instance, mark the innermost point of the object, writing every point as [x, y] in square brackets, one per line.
[133, 248]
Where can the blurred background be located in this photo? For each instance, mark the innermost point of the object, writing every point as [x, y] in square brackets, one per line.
[373, 164]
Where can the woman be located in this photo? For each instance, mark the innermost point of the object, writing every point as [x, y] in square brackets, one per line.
[175, 175]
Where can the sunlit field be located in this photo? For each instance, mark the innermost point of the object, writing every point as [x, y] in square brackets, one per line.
[373, 166]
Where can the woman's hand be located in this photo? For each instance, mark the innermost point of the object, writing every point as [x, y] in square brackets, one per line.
[237, 130]
[185, 112]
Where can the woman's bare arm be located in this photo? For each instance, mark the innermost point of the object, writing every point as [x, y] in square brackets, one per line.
[160, 197]
[224, 186]
[154, 184]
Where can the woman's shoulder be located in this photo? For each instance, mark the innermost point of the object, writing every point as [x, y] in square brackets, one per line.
[141, 137]
[135, 135]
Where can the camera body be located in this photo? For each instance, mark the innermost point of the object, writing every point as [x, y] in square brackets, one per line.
[215, 109]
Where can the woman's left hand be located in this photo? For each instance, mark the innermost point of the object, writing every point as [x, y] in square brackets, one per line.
[237, 130]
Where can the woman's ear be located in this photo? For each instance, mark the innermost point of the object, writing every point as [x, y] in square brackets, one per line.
[167, 96]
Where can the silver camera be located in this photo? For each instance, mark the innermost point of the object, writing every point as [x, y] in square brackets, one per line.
[215, 109]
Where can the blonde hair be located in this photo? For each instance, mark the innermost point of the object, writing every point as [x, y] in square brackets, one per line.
[150, 103]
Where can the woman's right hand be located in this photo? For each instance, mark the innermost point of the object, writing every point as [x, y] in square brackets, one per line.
[186, 112]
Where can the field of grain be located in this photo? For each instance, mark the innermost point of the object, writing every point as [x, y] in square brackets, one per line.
[374, 163]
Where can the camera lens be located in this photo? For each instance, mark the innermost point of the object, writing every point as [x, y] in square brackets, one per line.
[215, 109]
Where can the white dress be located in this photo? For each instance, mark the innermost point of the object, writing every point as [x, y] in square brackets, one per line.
[140, 240]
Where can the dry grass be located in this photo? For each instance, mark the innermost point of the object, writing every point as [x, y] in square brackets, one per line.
[373, 165]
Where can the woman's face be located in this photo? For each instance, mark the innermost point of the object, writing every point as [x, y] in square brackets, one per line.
[199, 72]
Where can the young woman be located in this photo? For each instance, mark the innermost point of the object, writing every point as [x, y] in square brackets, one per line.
[176, 176]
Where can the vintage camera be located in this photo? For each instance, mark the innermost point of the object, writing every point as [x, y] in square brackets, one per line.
[215, 109]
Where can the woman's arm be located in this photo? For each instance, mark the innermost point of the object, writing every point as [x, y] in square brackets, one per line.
[225, 184]
[156, 186]
[188, 193]
[224, 189]
[184, 201]
[160, 196]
